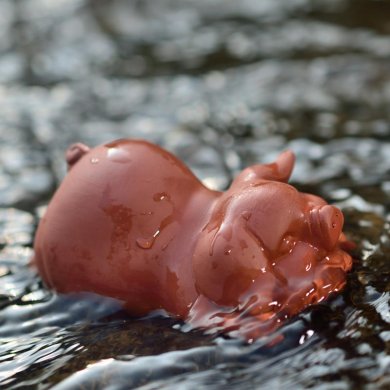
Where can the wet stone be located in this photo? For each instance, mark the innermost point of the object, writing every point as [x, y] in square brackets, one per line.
[222, 84]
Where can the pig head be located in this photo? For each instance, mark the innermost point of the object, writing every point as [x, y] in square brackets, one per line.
[268, 251]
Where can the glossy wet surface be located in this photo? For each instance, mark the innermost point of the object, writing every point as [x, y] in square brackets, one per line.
[222, 85]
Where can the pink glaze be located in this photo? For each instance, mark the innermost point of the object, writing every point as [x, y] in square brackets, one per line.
[131, 221]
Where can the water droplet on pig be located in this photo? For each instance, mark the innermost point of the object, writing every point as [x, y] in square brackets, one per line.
[94, 160]
[246, 215]
[147, 243]
[228, 251]
[144, 243]
[160, 196]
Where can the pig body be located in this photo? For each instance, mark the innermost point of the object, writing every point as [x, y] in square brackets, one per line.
[132, 222]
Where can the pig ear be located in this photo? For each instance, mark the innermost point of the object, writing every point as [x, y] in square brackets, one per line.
[326, 224]
[280, 170]
[74, 153]
[285, 164]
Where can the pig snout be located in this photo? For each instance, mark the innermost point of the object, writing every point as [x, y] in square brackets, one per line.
[326, 224]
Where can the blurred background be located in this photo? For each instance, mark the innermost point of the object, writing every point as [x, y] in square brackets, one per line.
[222, 84]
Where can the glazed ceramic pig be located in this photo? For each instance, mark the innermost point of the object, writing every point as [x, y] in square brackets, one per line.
[130, 221]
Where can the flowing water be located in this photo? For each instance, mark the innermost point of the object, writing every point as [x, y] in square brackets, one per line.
[221, 84]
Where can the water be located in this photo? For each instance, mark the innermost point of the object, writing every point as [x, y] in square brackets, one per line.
[222, 84]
